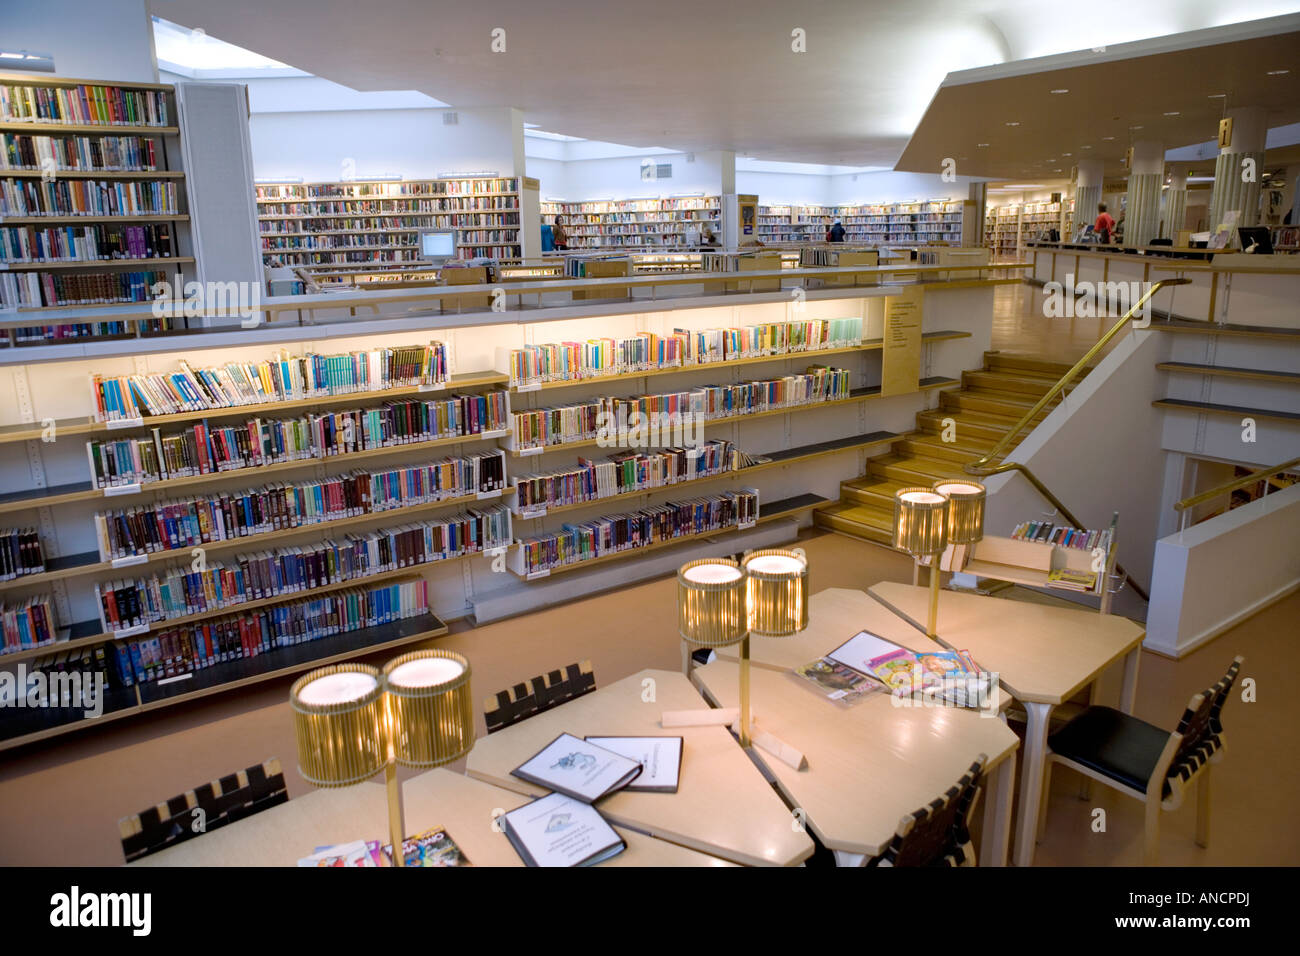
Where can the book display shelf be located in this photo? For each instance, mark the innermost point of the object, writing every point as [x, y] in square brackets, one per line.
[194, 520]
[908, 223]
[1039, 217]
[635, 224]
[794, 223]
[1002, 225]
[93, 202]
[372, 222]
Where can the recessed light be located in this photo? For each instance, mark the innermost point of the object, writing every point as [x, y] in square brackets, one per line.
[1135, 127]
[1217, 96]
[1278, 72]
[1108, 138]
[1060, 91]
[1067, 154]
[981, 145]
[1013, 124]
[1172, 113]
[1085, 147]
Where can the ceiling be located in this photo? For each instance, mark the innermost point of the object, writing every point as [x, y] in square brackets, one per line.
[1106, 101]
[689, 75]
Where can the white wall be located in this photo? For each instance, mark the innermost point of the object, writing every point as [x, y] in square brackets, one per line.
[89, 39]
[889, 186]
[780, 189]
[619, 177]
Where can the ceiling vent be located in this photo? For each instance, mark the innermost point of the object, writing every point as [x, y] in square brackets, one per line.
[450, 118]
[690, 157]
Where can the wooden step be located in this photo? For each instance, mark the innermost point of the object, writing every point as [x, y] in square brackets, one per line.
[1185, 326]
[1235, 411]
[979, 401]
[1229, 371]
[971, 427]
[914, 469]
[932, 446]
[871, 491]
[1010, 382]
[1044, 368]
[856, 522]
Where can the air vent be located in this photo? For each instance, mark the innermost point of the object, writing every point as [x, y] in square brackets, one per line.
[664, 171]
[690, 157]
[450, 119]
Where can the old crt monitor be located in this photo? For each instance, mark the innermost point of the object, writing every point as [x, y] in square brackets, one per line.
[437, 246]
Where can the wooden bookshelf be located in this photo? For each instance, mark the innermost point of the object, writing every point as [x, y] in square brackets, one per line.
[401, 204]
[634, 224]
[911, 223]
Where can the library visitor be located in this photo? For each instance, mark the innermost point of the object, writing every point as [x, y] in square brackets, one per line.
[558, 235]
[1103, 225]
[836, 232]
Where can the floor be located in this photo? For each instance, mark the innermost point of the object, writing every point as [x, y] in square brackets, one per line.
[60, 801]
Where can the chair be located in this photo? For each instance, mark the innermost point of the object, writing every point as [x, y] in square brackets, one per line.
[223, 801]
[938, 834]
[526, 699]
[1145, 762]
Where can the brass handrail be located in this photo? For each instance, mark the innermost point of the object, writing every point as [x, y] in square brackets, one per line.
[1236, 483]
[981, 466]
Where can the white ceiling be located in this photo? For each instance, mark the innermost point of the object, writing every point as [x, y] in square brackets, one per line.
[691, 75]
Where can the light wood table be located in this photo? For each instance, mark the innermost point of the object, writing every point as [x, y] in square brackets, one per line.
[439, 798]
[1042, 655]
[722, 807]
[872, 763]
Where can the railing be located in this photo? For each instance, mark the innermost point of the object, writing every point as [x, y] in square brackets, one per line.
[982, 467]
[1187, 504]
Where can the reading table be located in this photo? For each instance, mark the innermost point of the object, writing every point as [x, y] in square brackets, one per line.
[1042, 655]
[437, 798]
[722, 806]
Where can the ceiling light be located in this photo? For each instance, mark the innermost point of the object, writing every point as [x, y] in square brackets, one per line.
[1135, 127]
[1067, 154]
[1085, 147]
[1013, 124]
[1060, 91]
[1172, 113]
[1217, 96]
[981, 145]
[1108, 138]
[1278, 72]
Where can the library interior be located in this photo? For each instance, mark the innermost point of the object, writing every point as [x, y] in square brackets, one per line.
[945, 359]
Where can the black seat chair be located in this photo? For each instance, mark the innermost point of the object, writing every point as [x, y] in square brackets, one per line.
[1146, 762]
[221, 802]
[938, 834]
[536, 695]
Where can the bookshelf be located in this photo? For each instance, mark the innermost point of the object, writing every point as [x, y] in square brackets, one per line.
[906, 223]
[1002, 230]
[795, 456]
[1038, 217]
[635, 224]
[794, 223]
[370, 222]
[93, 202]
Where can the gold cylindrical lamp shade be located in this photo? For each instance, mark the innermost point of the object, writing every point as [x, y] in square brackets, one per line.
[338, 718]
[920, 521]
[711, 602]
[430, 707]
[965, 509]
[777, 584]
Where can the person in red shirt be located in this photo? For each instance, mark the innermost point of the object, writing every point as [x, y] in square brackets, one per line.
[1104, 224]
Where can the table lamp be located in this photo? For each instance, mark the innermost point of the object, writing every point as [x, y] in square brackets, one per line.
[721, 601]
[920, 529]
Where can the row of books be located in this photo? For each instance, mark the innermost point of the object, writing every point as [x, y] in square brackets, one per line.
[315, 258]
[183, 590]
[867, 663]
[576, 542]
[21, 553]
[203, 449]
[632, 205]
[84, 104]
[620, 473]
[27, 624]
[377, 240]
[287, 378]
[1063, 535]
[78, 153]
[433, 187]
[87, 197]
[81, 330]
[382, 207]
[194, 647]
[84, 243]
[647, 351]
[189, 522]
[25, 290]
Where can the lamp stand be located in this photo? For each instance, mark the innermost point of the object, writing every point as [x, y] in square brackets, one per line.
[745, 740]
[395, 817]
[932, 629]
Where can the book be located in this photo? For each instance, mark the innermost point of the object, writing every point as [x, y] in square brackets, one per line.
[357, 853]
[860, 650]
[894, 669]
[1072, 580]
[578, 769]
[837, 681]
[557, 830]
[433, 847]
[660, 759]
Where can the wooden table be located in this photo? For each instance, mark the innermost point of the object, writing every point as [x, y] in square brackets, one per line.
[723, 805]
[439, 798]
[1043, 656]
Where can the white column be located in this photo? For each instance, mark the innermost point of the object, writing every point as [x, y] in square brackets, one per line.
[1145, 180]
[1087, 191]
[1175, 203]
[1290, 193]
[1236, 173]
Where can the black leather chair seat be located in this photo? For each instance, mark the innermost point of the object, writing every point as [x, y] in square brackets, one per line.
[1123, 748]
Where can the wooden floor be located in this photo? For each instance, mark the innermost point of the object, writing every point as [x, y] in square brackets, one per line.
[60, 800]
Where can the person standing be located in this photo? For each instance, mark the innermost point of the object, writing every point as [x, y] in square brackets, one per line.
[558, 236]
[1104, 224]
[836, 233]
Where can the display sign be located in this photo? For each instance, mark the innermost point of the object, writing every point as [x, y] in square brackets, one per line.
[1225, 132]
[900, 367]
[747, 214]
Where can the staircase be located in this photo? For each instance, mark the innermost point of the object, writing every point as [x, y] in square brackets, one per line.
[975, 417]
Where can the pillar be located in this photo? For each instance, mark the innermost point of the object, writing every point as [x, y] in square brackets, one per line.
[1175, 203]
[1290, 193]
[1146, 178]
[1089, 176]
[1236, 184]
[972, 219]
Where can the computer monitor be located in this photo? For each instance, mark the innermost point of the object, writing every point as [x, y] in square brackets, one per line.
[437, 245]
[1256, 240]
